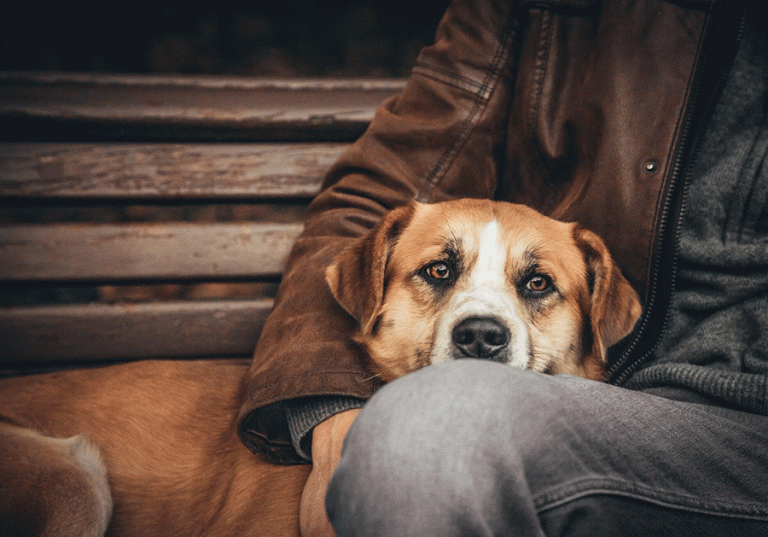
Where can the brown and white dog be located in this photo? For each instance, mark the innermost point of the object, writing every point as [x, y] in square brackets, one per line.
[483, 279]
[150, 448]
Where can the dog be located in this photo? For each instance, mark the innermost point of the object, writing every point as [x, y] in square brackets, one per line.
[151, 447]
[488, 280]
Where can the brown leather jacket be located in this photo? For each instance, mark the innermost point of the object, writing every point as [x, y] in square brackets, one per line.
[584, 109]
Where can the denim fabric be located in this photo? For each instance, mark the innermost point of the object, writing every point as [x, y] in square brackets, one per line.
[477, 448]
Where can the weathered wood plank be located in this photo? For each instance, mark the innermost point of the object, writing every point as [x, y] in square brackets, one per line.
[100, 332]
[84, 252]
[197, 107]
[164, 171]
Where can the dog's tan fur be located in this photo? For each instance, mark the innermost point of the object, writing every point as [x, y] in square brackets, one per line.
[167, 434]
[165, 431]
[380, 282]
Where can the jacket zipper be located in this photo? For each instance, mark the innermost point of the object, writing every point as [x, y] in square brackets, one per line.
[622, 368]
[625, 365]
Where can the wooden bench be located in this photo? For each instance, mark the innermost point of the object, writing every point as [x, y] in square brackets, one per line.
[150, 217]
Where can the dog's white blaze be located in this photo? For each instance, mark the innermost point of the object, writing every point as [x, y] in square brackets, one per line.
[491, 259]
[486, 293]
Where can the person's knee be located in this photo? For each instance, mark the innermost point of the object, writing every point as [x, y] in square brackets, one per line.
[455, 403]
[407, 428]
[440, 409]
[434, 441]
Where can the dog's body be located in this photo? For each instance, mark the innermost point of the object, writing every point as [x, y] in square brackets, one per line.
[431, 283]
[167, 434]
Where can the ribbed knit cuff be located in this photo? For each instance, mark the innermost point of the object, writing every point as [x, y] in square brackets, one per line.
[306, 412]
[748, 392]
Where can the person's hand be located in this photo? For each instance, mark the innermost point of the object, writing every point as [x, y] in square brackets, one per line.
[327, 440]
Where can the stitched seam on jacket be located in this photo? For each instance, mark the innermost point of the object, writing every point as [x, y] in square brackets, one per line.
[542, 61]
[482, 96]
[451, 78]
[605, 486]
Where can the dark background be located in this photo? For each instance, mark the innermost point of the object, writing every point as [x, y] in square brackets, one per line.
[290, 38]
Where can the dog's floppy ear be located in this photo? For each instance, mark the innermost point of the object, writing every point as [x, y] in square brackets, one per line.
[356, 276]
[615, 307]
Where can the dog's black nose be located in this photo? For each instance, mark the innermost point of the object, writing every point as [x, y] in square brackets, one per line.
[480, 337]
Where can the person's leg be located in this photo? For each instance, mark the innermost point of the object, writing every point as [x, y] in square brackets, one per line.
[478, 448]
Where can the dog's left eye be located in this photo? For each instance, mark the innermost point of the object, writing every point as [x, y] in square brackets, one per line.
[538, 284]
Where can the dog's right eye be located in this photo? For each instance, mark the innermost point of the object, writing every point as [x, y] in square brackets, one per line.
[438, 272]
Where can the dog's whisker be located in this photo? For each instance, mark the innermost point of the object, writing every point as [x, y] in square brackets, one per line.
[542, 361]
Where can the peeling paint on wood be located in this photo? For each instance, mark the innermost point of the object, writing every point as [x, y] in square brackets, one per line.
[163, 171]
[105, 332]
[195, 106]
[90, 252]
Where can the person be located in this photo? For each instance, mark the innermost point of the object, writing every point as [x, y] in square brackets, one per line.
[645, 121]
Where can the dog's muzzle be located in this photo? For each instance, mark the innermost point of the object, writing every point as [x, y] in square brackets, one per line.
[480, 337]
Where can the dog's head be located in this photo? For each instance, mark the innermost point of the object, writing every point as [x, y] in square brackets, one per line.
[483, 279]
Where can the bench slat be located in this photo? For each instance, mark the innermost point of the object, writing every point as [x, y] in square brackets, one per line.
[164, 171]
[84, 252]
[103, 332]
[90, 143]
[190, 107]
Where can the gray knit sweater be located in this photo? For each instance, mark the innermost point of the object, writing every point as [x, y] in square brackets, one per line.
[715, 343]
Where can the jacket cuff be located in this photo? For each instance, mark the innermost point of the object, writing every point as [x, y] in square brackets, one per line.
[306, 412]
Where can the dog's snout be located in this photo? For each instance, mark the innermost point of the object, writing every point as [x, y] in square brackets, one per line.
[480, 337]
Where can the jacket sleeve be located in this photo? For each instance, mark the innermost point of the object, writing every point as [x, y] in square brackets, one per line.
[435, 140]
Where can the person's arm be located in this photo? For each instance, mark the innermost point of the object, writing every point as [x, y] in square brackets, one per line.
[328, 438]
[438, 139]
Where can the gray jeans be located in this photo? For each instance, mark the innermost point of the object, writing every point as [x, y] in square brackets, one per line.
[478, 448]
